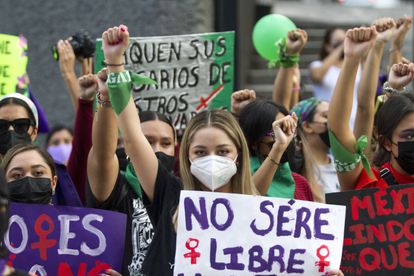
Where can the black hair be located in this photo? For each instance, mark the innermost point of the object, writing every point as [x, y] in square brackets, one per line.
[57, 129]
[326, 40]
[256, 119]
[145, 116]
[387, 119]
[15, 101]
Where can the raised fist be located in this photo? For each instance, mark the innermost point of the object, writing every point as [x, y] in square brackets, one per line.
[385, 28]
[295, 41]
[403, 25]
[358, 41]
[114, 43]
[240, 99]
[284, 130]
[400, 75]
[101, 78]
[88, 87]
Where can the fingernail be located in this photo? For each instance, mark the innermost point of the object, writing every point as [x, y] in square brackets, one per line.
[123, 29]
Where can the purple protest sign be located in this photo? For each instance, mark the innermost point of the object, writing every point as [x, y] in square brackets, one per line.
[60, 240]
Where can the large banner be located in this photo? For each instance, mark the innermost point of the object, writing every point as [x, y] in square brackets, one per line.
[13, 62]
[193, 73]
[60, 240]
[379, 231]
[233, 234]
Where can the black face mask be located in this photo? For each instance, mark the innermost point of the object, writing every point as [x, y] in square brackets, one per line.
[296, 158]
[325, 137]
[166, 160]
[122, 158]
[11, 138]
[406, 156]
[30, 190]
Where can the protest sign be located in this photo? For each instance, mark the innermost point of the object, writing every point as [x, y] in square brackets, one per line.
[60, 240]
[233, 234]
[193, 73]
[13, 61]
[379, 230]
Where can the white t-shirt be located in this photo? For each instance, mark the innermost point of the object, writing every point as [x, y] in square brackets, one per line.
[324, 90]
[328, 178]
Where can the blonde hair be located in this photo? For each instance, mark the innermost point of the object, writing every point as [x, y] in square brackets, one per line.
[241, 182]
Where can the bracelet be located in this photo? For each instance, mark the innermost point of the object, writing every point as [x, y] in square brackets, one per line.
[283, 59]
[272, 160]
[102, 103]
[386, 88]
[111, 64]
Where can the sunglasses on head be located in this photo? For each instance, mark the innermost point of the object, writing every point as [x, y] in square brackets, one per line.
[20, 126]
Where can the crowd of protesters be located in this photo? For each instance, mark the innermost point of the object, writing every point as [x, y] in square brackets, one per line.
[116, 158]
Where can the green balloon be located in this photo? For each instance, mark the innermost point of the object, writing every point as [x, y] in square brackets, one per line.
[267, 31]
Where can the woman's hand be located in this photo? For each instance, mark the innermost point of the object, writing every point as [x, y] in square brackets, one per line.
[295, 41]
[240, 99]
[401, 75]
[114, 43]
[334, 272]
[88, 87]
[111, 272]
[403, 25]
[66, 59]
[102, 88]
[358, 41]
[385, 28]
[284, 130]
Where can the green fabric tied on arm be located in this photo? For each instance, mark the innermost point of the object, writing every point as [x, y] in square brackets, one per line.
[120, 86]
[132, 179]
[345, 160]
[282, 59]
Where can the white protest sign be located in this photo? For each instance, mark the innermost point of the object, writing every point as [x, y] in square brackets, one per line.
[233, 234]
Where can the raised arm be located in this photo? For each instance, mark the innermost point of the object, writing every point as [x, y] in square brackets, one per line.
[102, 162]
[67, 70]
[357, 42]
[82, 134]
[282, 88]
[284, 130]
[397, 40]
[318, 73]
[364, 122]
[400, 76]
[115, 42]
[239, 100]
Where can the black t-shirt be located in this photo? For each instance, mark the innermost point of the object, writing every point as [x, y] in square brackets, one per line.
[139, 230]
[161, 253]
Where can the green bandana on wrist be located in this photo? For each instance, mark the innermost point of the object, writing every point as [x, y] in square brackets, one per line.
[283, 59]
[120, 86]
[345, 160]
